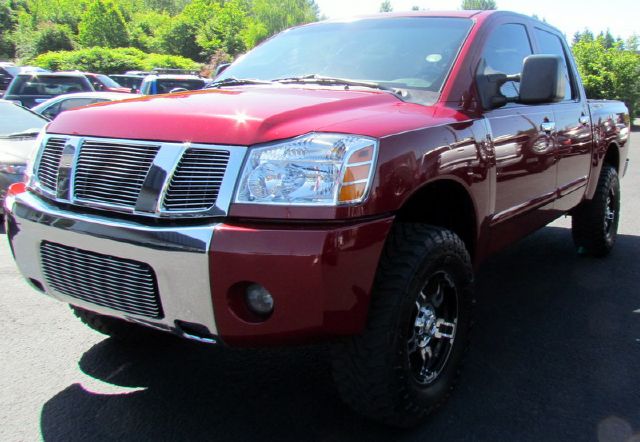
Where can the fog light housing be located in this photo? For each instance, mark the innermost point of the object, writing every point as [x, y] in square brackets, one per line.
[259, 300]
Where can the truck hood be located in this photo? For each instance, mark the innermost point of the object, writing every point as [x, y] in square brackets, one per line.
[246, 115]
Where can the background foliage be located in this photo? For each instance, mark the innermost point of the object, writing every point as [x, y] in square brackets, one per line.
[609, 67]
[196, 29]
[110, 61]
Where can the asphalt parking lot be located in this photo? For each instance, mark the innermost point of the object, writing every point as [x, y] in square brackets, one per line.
[555, 356]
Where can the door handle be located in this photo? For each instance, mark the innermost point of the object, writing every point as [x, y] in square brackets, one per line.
[584, 120]
[548, 126]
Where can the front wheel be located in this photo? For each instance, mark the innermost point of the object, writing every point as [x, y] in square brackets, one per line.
[406, 362]
[594, 224]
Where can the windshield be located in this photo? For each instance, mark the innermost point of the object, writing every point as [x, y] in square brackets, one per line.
[413, 53]
[47, 85]
[14, 120]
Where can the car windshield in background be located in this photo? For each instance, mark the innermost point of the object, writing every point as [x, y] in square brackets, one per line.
[15, 70]
[166, 85]
[46, 85]
[108, 82]
[412, 53]
[129, 81]
[15, 120]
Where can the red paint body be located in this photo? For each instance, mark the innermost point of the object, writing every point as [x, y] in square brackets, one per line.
[320, 262]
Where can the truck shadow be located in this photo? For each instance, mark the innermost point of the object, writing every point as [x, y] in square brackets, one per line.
[553, 357]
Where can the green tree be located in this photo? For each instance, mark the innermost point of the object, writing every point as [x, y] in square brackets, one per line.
[268, 17]
[607, 39]
[144, 29]
[609, 72]
[178, 37]
[103, 24]
[385, 6]
[223, 31]
[22, 35]
[53, 37]
[7, 23]
[478, 4]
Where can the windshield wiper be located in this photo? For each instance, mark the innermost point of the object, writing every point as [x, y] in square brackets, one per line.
[335, 81]
[23, 134]
[232, 81]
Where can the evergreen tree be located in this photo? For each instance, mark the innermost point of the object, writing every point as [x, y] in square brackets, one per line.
[385, 6]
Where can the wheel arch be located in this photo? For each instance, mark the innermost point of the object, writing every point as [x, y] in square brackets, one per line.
[446, 203]
[612, 156]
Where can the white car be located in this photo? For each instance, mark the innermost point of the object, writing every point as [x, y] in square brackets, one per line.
[53, 106]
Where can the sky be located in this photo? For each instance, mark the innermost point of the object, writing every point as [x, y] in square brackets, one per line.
[622, 17]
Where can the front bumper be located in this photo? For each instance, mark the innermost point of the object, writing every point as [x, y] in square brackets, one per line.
[320, 276]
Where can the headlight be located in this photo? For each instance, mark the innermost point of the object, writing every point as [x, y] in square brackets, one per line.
[317, 169]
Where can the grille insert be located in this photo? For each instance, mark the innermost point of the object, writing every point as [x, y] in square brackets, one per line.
[120, 284]
[112, 173]
[196, 182]
[50, 163]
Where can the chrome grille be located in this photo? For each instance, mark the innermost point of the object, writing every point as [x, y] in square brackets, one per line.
[112, 173]
[146, 178]
[116, 283]
[50, 163]
[196, 181]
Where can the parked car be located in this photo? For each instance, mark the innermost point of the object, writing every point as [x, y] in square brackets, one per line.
[31, 89]
[53, 106]
[130, 81]
[103, 83]
[19, 128]
[10, 70]
[339, 182]
[163, 84]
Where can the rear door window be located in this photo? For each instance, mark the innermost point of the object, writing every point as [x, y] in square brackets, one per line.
[551, 44]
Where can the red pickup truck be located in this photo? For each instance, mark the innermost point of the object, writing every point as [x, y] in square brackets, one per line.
[339, 182]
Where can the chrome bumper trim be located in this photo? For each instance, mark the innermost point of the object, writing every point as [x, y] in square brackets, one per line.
[178, 256]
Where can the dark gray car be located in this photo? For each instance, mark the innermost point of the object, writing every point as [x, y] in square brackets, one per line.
[19, 128]
[32, 89]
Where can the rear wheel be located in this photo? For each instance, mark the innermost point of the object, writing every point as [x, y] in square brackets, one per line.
[406, 362]
[594, 223]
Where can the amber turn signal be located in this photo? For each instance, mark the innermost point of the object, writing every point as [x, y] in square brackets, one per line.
[362, 156]
[356, 173]
[352, 192]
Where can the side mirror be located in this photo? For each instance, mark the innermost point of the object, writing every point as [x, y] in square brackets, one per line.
[133, 90]
[221, 68]
[542, 80]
